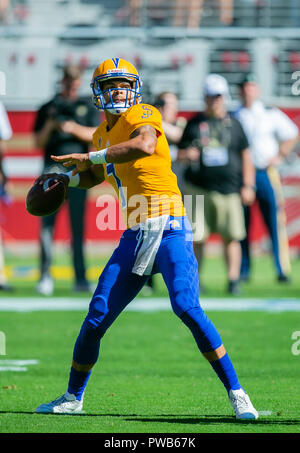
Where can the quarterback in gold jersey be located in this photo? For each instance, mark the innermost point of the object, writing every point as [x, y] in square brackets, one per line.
[132, 154]
[148, 179]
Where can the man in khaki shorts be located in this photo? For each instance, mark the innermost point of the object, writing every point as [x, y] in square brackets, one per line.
[222, 215]
[220, 168]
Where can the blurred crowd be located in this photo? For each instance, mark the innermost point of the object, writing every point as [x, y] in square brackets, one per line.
[176, 13]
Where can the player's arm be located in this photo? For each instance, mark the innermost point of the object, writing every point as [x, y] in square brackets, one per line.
[142, 143]
[85, 180]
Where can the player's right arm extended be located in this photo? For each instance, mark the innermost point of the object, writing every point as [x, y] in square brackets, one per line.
[142, 143]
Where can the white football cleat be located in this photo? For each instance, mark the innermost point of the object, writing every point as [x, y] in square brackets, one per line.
[242, 405]
[45, 286]
[65, 404]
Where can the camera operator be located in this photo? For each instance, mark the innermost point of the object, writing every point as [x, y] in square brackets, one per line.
[65, 125]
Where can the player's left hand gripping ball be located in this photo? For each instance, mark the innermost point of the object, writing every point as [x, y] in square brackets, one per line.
[47, 194]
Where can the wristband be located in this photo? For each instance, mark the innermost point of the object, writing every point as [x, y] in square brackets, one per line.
[98, 157]
[73, 180]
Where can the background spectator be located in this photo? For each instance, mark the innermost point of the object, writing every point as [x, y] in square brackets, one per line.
[4, 7]
[222, 171]
[173, 124]
[188, 13]
[271, 135]
[65, 125]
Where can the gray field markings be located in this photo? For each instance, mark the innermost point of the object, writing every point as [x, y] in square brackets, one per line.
[19, 304]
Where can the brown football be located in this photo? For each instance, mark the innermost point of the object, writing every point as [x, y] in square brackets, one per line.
[45, 199]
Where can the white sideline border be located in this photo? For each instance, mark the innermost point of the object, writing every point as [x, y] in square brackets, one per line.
[19, 304]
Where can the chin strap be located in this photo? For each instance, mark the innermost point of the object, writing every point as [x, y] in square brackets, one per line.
[116, 109]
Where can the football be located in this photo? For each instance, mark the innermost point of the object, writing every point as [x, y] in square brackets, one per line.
[45, 199]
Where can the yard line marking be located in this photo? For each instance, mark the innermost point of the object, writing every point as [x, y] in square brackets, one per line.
[16, 365]
[19, 304]
[18, 362]
[265, 413]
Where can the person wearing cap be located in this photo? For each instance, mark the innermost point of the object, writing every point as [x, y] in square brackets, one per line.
[63, 125]
[216, 147]
[271, 135]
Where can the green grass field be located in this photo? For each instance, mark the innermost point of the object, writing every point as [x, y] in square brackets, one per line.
[150, 377]
[23, 273]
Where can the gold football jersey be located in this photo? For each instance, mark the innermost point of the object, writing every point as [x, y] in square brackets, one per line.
[146, 187]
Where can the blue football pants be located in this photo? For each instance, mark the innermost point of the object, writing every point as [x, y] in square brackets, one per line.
[118, 286]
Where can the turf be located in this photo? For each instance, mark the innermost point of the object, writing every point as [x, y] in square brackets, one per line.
[23, 275]
[150, 377]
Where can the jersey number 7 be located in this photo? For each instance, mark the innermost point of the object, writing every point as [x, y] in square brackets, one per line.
[110, 170]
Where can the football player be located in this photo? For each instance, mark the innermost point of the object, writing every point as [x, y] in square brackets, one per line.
[133, 155]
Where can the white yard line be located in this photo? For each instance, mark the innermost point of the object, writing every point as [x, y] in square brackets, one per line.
[17, 362]
[16, 304]
[16, 365]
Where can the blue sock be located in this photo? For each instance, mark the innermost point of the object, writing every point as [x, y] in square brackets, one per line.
[77, 382]
[226, 373]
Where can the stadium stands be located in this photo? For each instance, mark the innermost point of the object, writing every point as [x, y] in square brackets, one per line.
[230, 37]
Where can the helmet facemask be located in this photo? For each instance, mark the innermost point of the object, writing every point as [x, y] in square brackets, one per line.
[133, 94]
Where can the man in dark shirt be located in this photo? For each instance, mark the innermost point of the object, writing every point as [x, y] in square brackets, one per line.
[65, 125]
[216, 147]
